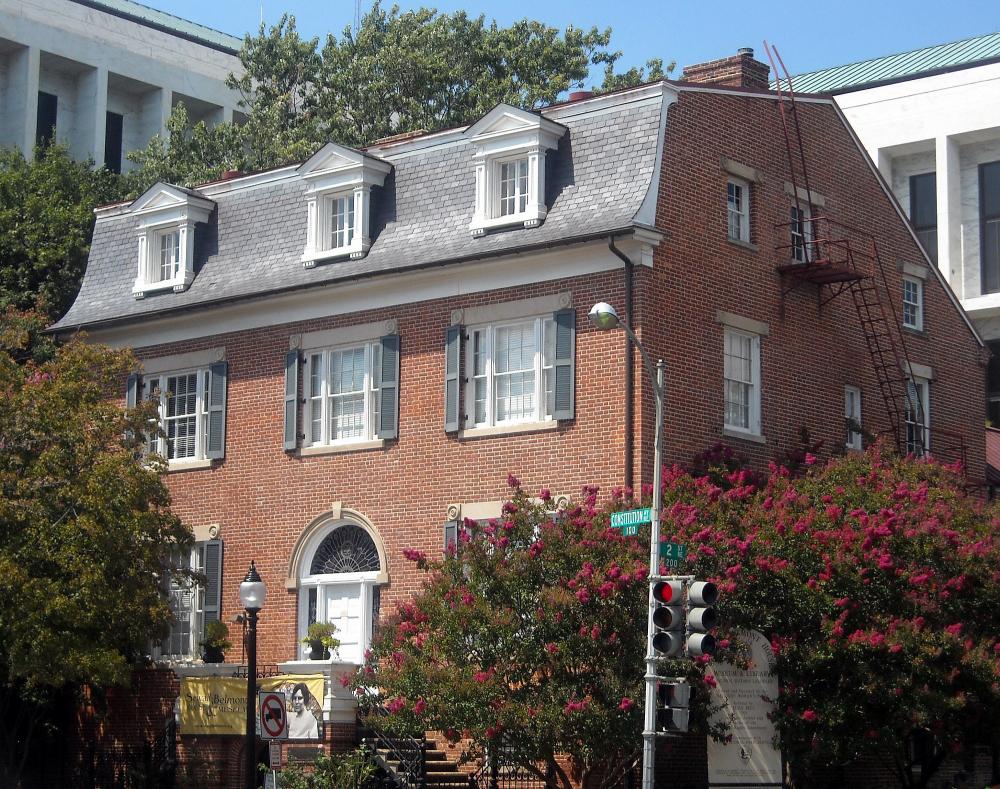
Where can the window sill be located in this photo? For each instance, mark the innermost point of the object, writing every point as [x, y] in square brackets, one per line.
[751, 247]
[921, 332]
[755, 438]
[310, 259]
[188, 465]
[481, 227]
[502, 430]
[179, 284]
[335, 449]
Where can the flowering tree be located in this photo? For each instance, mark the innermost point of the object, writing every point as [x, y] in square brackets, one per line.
[876, 580]
[530, 637]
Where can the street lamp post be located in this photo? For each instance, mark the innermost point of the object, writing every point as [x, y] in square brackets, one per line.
[604, 317]
[252, 595]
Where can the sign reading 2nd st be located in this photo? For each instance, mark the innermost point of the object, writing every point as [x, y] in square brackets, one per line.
[672, 554]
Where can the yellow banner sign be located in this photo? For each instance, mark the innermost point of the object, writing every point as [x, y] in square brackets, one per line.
[218, 705]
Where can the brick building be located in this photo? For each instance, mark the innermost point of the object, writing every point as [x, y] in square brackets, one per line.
[353, 353]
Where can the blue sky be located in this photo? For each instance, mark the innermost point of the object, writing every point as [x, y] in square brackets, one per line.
[808, 35]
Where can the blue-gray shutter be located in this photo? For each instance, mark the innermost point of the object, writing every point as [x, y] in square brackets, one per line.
[213, 579]
[291, 400]
[452, 382]
[132, 390]
[450, 536]
[218, 374]
[564, 365]
[388, 414]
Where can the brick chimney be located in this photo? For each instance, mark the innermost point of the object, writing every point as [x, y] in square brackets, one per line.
[739, 70]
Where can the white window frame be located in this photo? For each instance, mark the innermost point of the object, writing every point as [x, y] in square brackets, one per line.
[330, 238]
[156, 385]
[522, 187]
[541, 412]
[753, 428]
[156, 259]
[195, 609]
[852, 411]
[322, 400]
[922, 389]
[738, 218]
[915, 305]
[801, 251]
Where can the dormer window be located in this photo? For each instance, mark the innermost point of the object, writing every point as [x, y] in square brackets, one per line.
[510, 168]
[339, 203]
[167, 219]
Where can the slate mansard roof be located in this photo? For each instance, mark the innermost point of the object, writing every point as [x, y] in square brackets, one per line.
[596, 183]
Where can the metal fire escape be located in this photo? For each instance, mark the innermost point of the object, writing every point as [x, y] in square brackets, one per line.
[838, 259]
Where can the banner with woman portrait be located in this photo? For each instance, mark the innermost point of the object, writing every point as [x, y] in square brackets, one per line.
[217, 705]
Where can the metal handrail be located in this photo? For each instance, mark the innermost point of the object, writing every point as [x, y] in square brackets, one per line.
[408, 753]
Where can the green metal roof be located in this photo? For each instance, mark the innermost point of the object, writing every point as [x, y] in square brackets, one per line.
[894, 68]
[168, 23]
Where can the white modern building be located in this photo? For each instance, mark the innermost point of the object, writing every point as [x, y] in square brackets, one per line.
[930, 119]
[102, 76]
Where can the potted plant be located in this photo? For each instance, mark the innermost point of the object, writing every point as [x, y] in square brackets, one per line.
[216, 641]
[320, 639]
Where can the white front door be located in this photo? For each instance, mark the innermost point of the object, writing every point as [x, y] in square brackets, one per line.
[345, 610]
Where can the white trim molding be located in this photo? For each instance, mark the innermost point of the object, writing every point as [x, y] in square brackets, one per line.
[182, 361]
[812, 196]
[744, 324]
[347, 335]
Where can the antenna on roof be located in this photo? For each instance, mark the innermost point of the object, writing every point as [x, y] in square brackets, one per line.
[357, 16]
[261, 13]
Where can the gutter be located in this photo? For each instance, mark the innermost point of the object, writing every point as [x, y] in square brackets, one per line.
[629, 365]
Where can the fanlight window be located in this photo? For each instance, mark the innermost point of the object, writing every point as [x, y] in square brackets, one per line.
[348, 549]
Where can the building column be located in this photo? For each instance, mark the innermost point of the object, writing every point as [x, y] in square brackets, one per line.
[166, 106]
[884, 163]
[949, 219]
[22, 99]
[92, 107]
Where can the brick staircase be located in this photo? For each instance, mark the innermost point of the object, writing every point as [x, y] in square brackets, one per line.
[415, 762]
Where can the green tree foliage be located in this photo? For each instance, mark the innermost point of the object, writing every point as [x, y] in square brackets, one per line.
[329, 771]
[400, 71]
[46, 223]
[876, 580]
[530, 635]
[85, 530]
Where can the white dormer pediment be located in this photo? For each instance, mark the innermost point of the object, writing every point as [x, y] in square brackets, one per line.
[167, 218]
[510, 145]
[165, 203]
[338, 189]
[337, 167]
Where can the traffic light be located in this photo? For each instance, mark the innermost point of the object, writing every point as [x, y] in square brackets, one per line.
[673, 698]
[668, 617]
[701, 618]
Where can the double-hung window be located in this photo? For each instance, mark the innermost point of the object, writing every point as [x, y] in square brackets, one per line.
[989, 220]
[917, 416]
[852, 417]
[343, 394]
[923, 211]
[168, 245]
[341, 217]
[738, 210]
[193, 600]
[802, 233]
[511, 372]
[512, 178]
[183, 414]
[742, 381]
[913, 303]
[191, 411]
[187, 604]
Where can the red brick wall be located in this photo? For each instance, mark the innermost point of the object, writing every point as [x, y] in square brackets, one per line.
[811, 352]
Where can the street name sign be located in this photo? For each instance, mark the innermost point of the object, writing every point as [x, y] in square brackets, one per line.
[630, 520]
[672, 554]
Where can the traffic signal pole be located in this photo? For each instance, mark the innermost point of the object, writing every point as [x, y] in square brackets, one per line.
[649, 722]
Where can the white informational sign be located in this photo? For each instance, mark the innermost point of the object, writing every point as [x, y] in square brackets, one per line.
[272, 781]
[273, 720]
[750, 759]
[274, 755]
